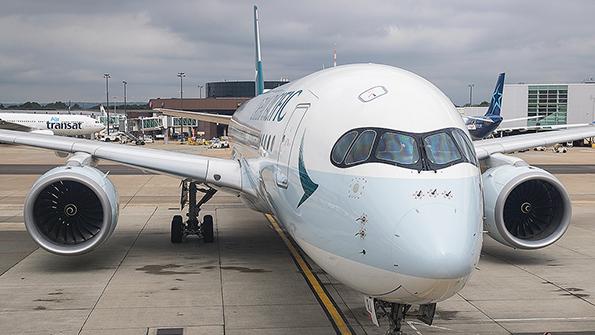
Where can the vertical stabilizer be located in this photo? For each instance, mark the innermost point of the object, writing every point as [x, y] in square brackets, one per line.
[496, 102]
[259, 78]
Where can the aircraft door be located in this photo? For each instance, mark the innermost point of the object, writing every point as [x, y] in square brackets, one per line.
[288, 143]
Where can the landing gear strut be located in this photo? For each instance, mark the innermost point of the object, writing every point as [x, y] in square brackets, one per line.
[396, 313]
[192, 226]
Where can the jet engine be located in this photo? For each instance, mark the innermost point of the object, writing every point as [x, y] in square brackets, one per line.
[525, 207]
[71, 210]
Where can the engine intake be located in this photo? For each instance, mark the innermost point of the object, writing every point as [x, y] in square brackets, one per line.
[525, 207]
[71, 210]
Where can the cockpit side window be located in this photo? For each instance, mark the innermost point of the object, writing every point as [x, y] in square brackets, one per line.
[342, 145]
[465, 145]
[441, 149]
[362, 148]
[397, 148]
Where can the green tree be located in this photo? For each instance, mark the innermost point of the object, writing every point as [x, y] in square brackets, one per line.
[30, 105]
[56, 105]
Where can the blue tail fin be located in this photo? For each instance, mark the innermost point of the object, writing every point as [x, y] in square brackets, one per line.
[259, 78]
[496, 102]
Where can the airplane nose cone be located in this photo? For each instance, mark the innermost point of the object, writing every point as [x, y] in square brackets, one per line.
[437, 241]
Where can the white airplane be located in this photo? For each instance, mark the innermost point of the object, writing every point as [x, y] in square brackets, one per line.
[368, 167]
[51, 124]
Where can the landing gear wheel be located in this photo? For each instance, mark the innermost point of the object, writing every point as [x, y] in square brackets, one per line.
[207, 229]
[177, 229]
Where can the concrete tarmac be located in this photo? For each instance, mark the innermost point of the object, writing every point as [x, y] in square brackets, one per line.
[247, 282]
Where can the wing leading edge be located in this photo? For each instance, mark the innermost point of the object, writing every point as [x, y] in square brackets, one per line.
[213, 171]
[487, 147]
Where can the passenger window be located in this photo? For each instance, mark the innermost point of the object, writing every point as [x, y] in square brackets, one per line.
[465, 145]
[441, 149]
[361, 149]
[398, 148]
[342, 146]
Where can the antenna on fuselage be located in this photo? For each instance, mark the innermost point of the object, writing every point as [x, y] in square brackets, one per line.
[259, 84]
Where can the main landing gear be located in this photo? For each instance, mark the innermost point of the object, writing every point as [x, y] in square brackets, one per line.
[192, 226]
[396, 313]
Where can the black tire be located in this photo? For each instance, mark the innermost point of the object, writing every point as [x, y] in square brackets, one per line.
[207, 229]
[142, 142]
[177, 229]
[107, 139]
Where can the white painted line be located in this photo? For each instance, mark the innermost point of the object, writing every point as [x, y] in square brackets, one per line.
[584, 318]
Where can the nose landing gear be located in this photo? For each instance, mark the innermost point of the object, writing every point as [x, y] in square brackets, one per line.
[396, 313]
[192, 226]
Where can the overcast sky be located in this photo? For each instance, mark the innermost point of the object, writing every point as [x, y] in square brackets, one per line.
[59, 50]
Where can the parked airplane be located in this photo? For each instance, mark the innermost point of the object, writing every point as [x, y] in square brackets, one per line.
[483, 126]
[51, 124]
[369, 168]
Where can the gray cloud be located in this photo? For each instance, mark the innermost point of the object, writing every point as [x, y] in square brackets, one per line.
[59, 50]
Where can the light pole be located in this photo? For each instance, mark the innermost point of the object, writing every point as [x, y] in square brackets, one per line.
[124, 82]
[200, 91]
[181, 75]
[471, 94]
[107, 77]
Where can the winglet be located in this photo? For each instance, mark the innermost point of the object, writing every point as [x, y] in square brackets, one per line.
[259, 78]
[496, 102]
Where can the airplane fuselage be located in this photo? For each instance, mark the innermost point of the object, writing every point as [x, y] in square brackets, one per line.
[479, 129]
[401, 224]
[58, 124]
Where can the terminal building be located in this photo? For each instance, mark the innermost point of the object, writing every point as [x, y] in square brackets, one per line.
[569, 103]
[221, 98]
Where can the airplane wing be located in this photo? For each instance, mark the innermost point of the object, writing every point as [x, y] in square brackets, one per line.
[539, 128]
[213, 171]
[487, 147]
[207, 117]
[478, 118]
[14, 126]
[522, 119]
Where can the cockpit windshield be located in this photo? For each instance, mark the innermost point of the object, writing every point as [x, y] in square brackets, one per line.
[398, 148]
[441, 149]
[427, 151]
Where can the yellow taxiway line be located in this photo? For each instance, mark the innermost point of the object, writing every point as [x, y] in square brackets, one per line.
[327, 303]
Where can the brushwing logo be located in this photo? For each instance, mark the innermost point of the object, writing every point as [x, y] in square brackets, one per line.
[308, 185]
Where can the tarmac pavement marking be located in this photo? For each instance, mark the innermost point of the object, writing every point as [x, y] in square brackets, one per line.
[328, 305]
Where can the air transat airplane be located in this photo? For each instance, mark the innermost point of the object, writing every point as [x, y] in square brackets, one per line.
[368, 167]
[50, 124]
[488, 125]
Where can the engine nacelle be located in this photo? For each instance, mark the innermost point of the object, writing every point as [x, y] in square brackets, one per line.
[525, 207]
[71, 210]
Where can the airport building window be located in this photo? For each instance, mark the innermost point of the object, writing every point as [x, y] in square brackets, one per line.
[549, 102]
